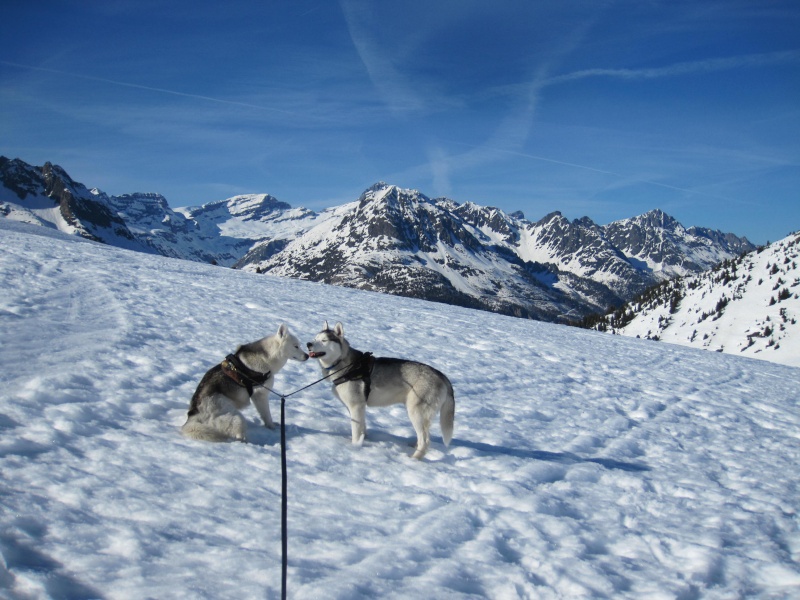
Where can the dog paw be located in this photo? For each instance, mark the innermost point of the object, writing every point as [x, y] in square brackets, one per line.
[419, 454]
[360, 442]
[270, 425]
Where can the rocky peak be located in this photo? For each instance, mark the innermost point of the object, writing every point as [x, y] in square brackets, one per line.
[489, 219]
[19, 177]
[658, 219]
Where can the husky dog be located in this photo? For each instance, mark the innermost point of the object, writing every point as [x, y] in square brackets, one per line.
[228, 387]
[368, 381]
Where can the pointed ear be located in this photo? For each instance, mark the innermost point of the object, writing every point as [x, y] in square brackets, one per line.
[325, 326]
[338, 329]
[283, 330]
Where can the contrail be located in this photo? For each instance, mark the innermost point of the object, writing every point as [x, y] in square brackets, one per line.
[684, 68]
[149, 88]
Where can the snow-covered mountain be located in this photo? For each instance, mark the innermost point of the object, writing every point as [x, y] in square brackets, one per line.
[219, 232]
[662, 245]
[249, 223]
[583, 465]
[48, 196]
[402, 242]
[749, 306]
[390, 240]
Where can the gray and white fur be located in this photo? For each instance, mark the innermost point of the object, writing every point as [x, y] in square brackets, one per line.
[360, 381]
[214, 410]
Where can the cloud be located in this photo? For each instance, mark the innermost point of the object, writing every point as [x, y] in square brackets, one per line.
[114, 82]
[440, 171]
[684, 68]
[396, 90]
[510, 136]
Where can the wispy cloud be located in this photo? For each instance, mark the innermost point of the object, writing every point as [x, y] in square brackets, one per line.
[158, 90]
[514, 129]
[684, 68]
[440, 165]
[395, 89]
[510, 136]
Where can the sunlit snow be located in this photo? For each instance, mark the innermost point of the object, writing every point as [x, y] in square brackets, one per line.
[583, 465]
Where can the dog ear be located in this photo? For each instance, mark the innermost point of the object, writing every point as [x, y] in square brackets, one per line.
[325, 326]
[338, 329]
[283, 330]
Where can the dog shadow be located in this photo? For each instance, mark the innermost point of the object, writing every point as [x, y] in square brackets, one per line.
[21, 555]
[272, 438]
[564, 458]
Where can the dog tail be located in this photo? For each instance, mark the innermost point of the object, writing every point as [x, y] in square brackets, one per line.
[447, 414]
[202, 431]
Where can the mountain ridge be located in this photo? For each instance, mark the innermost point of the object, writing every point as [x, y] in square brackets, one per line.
[749, 306]
[390, 239]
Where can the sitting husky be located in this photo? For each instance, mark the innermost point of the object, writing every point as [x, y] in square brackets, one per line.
[228, 387]
[363, 380]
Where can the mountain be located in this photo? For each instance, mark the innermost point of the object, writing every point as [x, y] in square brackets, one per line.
[748, 306]
[243, 223]
[662, 244]
[48, 196]
[402, 242]
[219, 232]
[389, 240]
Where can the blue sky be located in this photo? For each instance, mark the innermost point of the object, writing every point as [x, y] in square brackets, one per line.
[598, 108]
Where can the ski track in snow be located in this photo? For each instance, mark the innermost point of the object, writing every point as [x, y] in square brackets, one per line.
[583, 465]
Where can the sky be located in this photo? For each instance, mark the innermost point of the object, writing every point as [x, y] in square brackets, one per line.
[601, 109]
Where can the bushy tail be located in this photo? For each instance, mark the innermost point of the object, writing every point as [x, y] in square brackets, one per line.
[203, 432]
[447, 415]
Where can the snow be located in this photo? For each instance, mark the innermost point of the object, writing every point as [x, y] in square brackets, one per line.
[754, 321]
[584, 465]
[39, 210]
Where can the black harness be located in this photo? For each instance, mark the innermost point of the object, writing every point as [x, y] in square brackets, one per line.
[360, 370]
[243, 375]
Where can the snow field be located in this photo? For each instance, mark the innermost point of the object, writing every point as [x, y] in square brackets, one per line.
[583, 465]
[743, 316]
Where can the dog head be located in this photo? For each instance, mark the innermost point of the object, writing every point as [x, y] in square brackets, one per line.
[329, 345]
[290, 344]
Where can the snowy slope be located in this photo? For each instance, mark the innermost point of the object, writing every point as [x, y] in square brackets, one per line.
[241, 225]
[749, 306]
[583, 466]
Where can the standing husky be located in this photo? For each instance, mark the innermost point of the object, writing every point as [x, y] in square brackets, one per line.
[368, 381]
[245, 375]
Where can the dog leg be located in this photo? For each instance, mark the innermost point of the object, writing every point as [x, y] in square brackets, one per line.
[197, 430]
[422, 425]
[225, 418]
[233, 425]
[260, 399]
[358, 423]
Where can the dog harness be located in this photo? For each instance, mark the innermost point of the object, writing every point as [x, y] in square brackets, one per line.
[360, 370]
[243, 375]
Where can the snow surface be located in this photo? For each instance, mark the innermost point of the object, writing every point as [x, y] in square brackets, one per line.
[754, 322]
[584, 465]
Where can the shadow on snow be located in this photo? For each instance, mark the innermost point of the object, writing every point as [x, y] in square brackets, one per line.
[270, 438]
